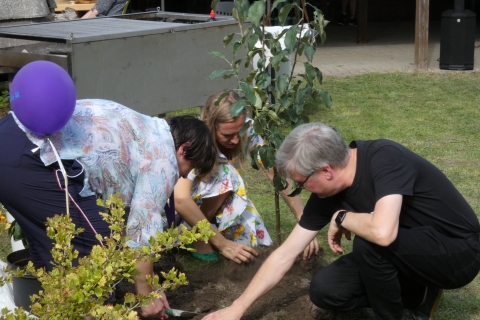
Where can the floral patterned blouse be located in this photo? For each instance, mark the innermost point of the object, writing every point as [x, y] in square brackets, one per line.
[122, 151]
[237, 218]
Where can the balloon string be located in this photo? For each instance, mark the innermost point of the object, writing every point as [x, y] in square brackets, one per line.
[64, 173]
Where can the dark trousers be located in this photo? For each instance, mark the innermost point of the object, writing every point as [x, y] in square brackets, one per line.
[30, 192]
[389, 279]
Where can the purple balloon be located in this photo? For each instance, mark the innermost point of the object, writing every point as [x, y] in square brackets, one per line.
[43, 97]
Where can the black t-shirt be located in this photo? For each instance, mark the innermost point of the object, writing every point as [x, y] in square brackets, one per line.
[385, 167]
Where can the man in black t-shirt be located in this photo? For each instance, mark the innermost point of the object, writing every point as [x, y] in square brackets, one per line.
[414, 232]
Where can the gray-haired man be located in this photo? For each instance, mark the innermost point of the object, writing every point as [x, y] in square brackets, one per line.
[415, 233]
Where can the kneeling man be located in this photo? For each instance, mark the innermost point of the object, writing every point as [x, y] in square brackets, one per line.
[414, 232]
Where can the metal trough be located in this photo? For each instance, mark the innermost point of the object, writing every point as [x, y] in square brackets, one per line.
[152, 62]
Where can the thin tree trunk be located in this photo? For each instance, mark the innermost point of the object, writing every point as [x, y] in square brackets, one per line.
[277, 218]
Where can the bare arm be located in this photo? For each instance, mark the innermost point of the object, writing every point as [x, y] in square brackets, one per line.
[380, 228]
[296, 206]
[90, 14]
[156, 307]
[192, 214]
[271, 272]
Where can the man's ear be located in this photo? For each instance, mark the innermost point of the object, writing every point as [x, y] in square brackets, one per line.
[328, 172]
[181, 150]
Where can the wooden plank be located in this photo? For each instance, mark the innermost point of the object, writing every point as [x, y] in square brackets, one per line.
[421, 35]
[62, 4]
[362, 21]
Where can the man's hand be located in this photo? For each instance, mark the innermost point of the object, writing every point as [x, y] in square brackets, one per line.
[156, 308]
[335, 235]
[312, 249]
[228, 313]
[237, 252]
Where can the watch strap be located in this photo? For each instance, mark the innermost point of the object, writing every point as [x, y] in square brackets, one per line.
[340, 217]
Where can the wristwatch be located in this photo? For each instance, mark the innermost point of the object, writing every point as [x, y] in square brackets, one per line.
[340, 217]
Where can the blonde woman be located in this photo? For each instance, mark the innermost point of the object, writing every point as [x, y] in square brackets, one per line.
[221, 197]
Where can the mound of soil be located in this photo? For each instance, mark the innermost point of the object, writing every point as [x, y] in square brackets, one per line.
[218, 284]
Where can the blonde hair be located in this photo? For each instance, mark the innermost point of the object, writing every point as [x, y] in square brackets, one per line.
[214, 115]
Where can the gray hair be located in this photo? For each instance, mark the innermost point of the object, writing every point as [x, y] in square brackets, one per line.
[309, 147]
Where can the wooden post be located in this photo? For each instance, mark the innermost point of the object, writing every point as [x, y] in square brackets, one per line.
[362, 20]
[421, 35]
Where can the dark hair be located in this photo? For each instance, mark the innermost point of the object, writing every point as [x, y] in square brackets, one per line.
[200, 148]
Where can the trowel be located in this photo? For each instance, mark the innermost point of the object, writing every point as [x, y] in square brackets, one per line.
[180, 313]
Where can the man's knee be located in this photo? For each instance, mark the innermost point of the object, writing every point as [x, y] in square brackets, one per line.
[322, 294]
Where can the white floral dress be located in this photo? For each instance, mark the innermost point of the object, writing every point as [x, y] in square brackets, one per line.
[237, 218]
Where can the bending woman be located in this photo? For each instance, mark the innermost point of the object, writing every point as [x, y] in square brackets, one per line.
[221, 197]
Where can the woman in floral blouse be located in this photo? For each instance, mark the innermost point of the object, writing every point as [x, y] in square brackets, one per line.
[221, 196]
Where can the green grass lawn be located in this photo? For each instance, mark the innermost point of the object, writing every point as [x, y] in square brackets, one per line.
[435, 115]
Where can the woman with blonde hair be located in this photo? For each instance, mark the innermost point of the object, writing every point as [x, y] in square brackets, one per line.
[221, 196]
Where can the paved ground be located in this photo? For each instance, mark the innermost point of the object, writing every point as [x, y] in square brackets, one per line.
[390, 48]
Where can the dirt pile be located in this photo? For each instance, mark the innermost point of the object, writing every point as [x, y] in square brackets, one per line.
[218, 284]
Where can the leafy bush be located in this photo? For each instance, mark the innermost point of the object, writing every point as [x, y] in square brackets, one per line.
[4, 103]
[73, 292]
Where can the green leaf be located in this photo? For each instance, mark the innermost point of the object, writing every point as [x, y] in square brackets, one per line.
[319, 75]
[310, 70]
[283, 14]
[263, 80]
[254, 157]
[15, 231]
[241, 8]
[276, 3]
[251, 76]
[249, 93]
[267, 155]
[216, 74]
[237, 108]
[252, 41]
[282, 83]
[274, 116]
[245, 127]
[261, 64]
[326, 98]
[227, 39]
[258, 127]
[300, 48]
[279, 182]
[217, 54]
[214, 4]
[228, 76]
[235, 46]
[310, 51]
[223, 95]
[262, 94]
[295, 192]
[256, 12]
[291, 38]
[236, 65]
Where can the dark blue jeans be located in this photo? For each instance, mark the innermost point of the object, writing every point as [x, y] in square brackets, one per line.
[389, 279]
[30, 192]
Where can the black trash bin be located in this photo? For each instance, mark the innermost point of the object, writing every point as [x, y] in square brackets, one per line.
[457, 41]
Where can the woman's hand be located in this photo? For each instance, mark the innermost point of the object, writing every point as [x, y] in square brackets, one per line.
[237, 252]
[156, 308]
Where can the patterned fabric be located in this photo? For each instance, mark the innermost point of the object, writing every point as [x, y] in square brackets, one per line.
[122, 151]
[237, 218]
